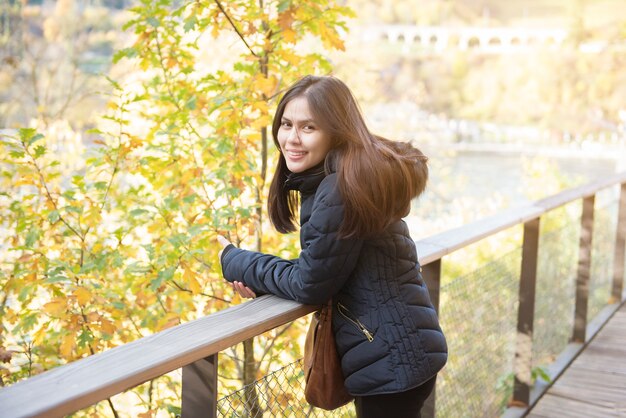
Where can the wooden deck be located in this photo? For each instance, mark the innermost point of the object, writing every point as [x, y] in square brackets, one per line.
[595, 383]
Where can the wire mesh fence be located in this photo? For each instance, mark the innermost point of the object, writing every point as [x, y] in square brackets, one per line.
[278, 394]
[479, 320]
[604, 231]
[555, 289]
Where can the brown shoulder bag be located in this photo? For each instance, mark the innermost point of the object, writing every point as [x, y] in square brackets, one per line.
[322, 368]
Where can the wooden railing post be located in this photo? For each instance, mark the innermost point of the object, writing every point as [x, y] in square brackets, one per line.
[526, 314]
[431, 273]
[584, 270]
[200, 389]
[620, 248]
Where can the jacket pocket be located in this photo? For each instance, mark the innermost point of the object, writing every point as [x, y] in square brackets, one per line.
[350, 317]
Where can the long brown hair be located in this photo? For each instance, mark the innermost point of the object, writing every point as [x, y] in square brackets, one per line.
[377, 177]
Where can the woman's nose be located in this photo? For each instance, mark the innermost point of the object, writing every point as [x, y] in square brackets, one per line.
[294, 135]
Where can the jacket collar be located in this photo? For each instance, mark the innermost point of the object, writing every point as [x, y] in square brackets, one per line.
[307, 181]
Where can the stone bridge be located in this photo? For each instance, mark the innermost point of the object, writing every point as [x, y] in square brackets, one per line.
[494, 39]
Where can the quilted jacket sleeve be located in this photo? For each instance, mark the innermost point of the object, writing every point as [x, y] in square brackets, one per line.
[324, 265]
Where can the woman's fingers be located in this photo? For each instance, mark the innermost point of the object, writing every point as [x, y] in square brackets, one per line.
[243, 290]
[224, 243]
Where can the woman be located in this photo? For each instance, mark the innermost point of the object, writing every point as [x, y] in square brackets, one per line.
[354, 188]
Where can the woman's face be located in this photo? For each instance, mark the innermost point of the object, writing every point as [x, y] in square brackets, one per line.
[302, 142]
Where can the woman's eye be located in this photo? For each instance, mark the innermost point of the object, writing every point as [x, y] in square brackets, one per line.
[286, 124]
[309, 128]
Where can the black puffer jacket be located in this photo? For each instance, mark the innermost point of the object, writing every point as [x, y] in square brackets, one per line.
[387, 331]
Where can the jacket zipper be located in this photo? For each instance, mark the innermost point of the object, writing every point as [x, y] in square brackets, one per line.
[348, 315]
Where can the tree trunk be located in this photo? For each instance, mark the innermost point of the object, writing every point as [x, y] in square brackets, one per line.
[251, 397]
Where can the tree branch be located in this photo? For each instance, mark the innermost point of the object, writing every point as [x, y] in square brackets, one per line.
[235, 27]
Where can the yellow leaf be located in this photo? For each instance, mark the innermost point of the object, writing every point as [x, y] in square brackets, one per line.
[24, 181]
[40, 336]
[93, 216]
[330, 38]
[261, 106]
[285, 19]
[289, 35]
[83, 296]
[261, 122]
[93, 317]
[135, 142]
[74, 322]
[254, 136]
[170, 63]
[190, 278]
[172, 321]
[67, 346]
[55, 306]
[107, 326]
[291, 58]
[266, 85]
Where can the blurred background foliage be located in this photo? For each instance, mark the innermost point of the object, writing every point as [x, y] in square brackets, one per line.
[132, 132]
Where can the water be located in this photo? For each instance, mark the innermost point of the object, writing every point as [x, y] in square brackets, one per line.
[466, 186]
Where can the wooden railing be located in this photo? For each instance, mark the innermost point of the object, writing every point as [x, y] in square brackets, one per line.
[194, 346]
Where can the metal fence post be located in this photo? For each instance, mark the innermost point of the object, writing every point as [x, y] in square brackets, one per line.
[526, 314]
[432, 275]
[584, 270]
[620, 248]
[200, 389]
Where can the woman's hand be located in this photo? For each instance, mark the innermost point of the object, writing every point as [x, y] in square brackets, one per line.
[224, 243]
[243, 290]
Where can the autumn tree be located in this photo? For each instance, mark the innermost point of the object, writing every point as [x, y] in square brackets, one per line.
[124, 245]
[50, 61]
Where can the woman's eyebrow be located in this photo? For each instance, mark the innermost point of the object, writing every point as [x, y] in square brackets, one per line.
[298, 121]
[304, 121]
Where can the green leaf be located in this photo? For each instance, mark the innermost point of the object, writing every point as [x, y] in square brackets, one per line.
[28, 322]
[137, 212]
[32, 237]
[283, 5]
[154, 22]
[27, 133]
[119, 305]
[540, 372]
[34, 139]
[178, 240]
[122, 53]
[174, 410]
[162, 276]
[57, 279]
[191, 103]
[17, 154]
[101, 185]
[117, 260]
[74, 209]
[136, 268]
[195, 230]
[54, 216]
[85, 338]
[39, 151]
[190, 199]
[190, 23]
[25, 292]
